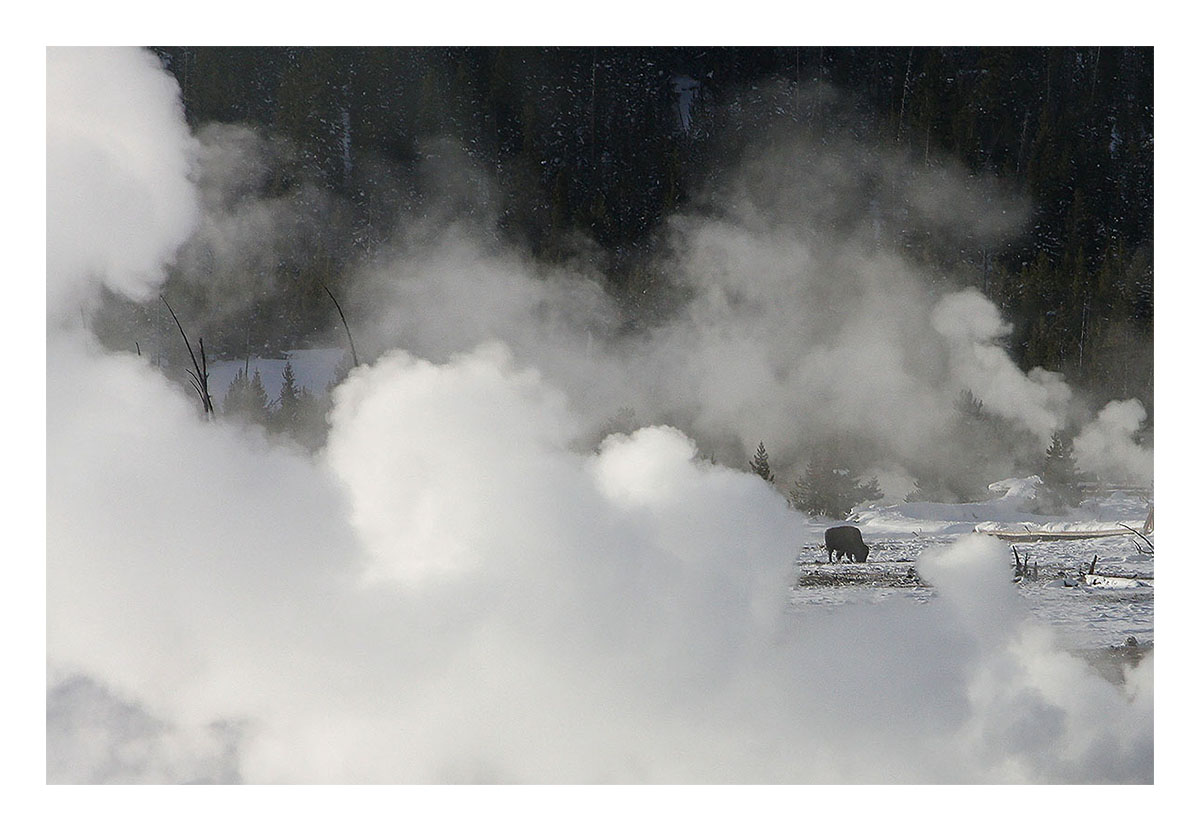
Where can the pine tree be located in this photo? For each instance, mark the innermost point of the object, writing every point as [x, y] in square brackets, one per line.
[830, 488]
[300, 413]
[930, 487]
[247, 398]
[1059, 474]
[869, 491]
[968, 406]
[311, 426]
[289, 399]
[761, 465]
[975, 440]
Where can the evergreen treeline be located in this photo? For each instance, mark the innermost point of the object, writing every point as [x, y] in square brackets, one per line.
[607, 141]
[297, 412]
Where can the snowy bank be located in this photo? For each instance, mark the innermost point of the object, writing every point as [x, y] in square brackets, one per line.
[1009, 512]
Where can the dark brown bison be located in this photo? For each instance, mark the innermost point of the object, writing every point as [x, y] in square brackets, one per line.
[846, 539]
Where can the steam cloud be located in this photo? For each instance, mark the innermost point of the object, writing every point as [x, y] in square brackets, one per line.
[461, 586]
[118, 155]
[1107, 446]
[802, 323]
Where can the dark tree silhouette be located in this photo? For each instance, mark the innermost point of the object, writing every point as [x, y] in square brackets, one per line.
[761, 464]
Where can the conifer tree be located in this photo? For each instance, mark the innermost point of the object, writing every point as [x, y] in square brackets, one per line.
[976, 439]
[930, 487]
[288, 413]
[247, 398]
[289, 391]
[1059, 474]
[968, 406]
[300, 413]
[761, 464]
[310, 426]
[831, 488]
[869, 491]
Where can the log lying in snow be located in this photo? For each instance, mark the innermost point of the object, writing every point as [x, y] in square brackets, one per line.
[1028, 532]
[1034, 533]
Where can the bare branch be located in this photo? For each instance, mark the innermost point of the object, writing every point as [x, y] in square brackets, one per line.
[195, 382]
[353, 353]
[208, 405]
[1140, 534]
[201, 375]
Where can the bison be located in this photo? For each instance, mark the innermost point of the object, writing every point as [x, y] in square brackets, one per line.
[846, 539]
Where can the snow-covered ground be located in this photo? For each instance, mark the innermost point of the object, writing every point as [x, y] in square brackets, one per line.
[1089, 613]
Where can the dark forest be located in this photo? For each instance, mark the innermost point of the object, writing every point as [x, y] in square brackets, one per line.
[601, 144]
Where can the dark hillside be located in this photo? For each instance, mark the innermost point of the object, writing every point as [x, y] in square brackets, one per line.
[606, 142]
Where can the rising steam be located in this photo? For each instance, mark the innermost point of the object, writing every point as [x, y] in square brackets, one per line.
[470, 582]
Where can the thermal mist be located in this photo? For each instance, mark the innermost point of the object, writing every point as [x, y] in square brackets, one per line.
[801, 324]
[118, 199]
[472, 581]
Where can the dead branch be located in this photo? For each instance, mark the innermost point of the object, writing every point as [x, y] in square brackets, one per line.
[195, 382]
[1149, 545]
[200, 377]
[346, 326]
[204, 369]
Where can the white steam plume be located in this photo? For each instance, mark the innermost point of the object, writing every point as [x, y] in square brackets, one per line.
[458, 589]
[118, 159]
[792, 332]
[1108, 447]
[971, 324]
